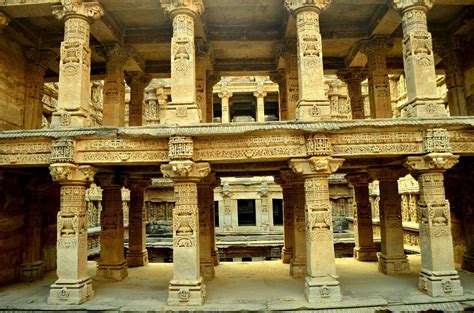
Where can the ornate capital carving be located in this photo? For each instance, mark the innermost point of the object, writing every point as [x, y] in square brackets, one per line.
[78, 8]
[359, 179]
[185, 170]
[225, 94]
[4, 20]
[352, 74]
[68, 172]
[404, 5]
[174, 7]
[376, 44]
[138, 79]
[299, 5]
[431, 162]
[316, 166]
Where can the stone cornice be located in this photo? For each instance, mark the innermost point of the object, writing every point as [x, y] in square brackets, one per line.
[78, 8]
[295, 6]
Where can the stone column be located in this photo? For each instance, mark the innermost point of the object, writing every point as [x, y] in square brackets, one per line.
[260, 94]
[392, 258]
[291, 77]
[137, 254]
[210, 83]
[380, 100]
[183, 108]
[225, 95]
[455, 77]
[321, 284]
[206, 223]
[74, 67]
[298, 261]
[313, 104]
[438, 277]
[138, 82]
[186, 286]
[32, 263]
[418, 60]
[112, 263]
[114, 86]
[364, 249]
[201, 77]
[287, 185]
[353, 77]
[74, 285]
[36, 66]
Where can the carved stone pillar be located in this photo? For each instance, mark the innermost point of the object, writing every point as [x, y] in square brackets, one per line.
[260, 94]
[380, 100]
[298, 261]
[112, 263]
[321, 284]
[364, 249]
[201, 78]
[291, 77]
[183, 109]
[32, 264]
[455, 77]
[418, 60]
[74, 67]
[313, 104]
[206, 223]
[114, 86]
[37, 64]
[186, 286]
[225, 106]
[392, 258]
[212, 80]
[74, 285]
[287, 185]
[137, 254]
[138, 82]
[438, 277]
[353, 77]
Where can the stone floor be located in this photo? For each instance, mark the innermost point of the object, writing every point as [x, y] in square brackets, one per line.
[263, 286]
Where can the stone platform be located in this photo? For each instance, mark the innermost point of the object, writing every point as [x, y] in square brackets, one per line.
[248, 286]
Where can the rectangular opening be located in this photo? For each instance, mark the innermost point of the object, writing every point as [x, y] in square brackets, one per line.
[277, 212]
[246, 212]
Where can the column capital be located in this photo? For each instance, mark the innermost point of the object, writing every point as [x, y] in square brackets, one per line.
[4, 21]
[352, 74]
[78, 8]
[225, 94]
[295, 6]
[260, 94]
[190, 7]
[376, 44]
[287, 177]
[185, 170]
[69, 173]
[138, 78]
[210, 181]
[437, 162]
[111, 180]
[405, 5]
[387, 172]
[359, 179]
[316, 166]
[114, 52]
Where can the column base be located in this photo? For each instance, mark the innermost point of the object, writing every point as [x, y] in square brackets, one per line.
[112, 271]
[31, 271]
[74, 119]
[393, 265]
[468, 263]
[440, 284]
[207, 270]
[424, 108]
[182, 114]
[297, 269]
[365, 254]
[317, 110]
[67, 292]
[322, 289]
[286, 255]
[184, 293]
[215, 256]
[137, 258]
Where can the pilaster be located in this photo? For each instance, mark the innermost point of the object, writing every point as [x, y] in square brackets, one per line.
[73, 285]
[137, 81]
[438, 277]
[225, 95]
[201, 77]
[114, 86]
[112, 264]
[375, 49]
[392, 258]
[74, 67]
[183, 110]
[364, 249]
[313, 104]
[418, 60]
[137, 254]
[353, 77]
[291, 77]
[212, 80]
[289, 198]
[260, 94]
[321, 284]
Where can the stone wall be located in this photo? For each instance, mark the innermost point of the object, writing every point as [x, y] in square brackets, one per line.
[12, 85]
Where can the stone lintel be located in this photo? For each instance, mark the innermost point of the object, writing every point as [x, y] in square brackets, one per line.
[387, 172]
